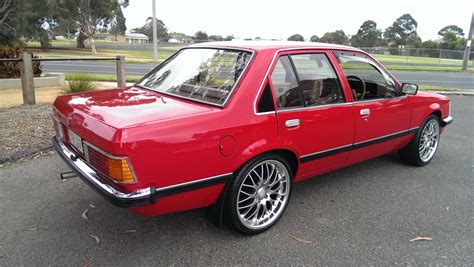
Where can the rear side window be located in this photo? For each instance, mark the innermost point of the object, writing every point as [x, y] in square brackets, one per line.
[285, 84]
[319, 81]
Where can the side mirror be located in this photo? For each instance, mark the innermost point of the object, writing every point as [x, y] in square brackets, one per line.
[409, 88]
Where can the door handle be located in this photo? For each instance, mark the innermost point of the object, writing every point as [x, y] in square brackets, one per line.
[292, 123]
[365, 112]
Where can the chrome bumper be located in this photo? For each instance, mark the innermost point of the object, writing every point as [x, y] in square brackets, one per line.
[446, 121]
[101, 185]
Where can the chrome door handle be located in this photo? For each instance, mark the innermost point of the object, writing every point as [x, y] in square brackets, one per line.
[365, 112]
[292, 123]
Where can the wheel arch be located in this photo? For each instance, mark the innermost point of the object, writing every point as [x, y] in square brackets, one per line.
[216, 211]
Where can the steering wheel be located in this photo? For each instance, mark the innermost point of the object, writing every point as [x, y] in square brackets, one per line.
[354, 77]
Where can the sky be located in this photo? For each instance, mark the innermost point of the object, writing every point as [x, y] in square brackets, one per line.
[278, 19]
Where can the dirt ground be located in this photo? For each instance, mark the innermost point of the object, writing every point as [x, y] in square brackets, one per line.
[14, 97]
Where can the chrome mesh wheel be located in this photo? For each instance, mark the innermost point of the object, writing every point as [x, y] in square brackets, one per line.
[263, 194]
[429, 141]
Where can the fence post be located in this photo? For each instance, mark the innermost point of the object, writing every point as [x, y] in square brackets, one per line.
[26, 74]
[121, 82]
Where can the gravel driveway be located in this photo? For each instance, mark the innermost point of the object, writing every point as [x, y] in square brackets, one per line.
[24, 129]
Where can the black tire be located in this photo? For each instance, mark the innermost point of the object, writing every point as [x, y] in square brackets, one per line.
[411, 152]
[231, 208]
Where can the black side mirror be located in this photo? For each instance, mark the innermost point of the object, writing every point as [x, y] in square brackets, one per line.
[409, 88]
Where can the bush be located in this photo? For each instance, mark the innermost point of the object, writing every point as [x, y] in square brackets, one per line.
[81, 82]
[12, 69]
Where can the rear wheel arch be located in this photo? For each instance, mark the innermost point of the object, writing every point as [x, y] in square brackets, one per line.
[216, 211]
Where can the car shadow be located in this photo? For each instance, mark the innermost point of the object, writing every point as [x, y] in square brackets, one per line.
[125, 233]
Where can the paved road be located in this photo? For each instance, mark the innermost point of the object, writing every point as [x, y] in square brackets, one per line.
[360, 215]
[447, 79]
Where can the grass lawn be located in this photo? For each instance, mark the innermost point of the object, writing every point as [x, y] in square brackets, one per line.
[419, 60]
[131, 56]
[427, 68]
[103, 77]
[423, 87]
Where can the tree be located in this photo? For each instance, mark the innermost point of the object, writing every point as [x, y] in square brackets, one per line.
[368, 35]
[414, 41]
[65, 27]
[229, 38]
[118, 24]
[296, 37]
[200, 36]
[88, 16]
[337, 37]
[402, 28]
[25, 20]
[451, 28]
[216, 37]
[161, 30]
[314, 38]
[452, 42]
[5, 10]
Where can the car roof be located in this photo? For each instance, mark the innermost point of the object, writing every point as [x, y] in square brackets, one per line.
[273, 45]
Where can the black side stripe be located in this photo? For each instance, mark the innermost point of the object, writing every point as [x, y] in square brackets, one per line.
[180, 188]
[342, 149]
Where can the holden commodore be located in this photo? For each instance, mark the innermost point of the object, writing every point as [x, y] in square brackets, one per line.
[231, 126]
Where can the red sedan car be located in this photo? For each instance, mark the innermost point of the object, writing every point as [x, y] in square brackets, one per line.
[232, 126]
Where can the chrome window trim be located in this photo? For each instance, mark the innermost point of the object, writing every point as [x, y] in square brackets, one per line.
[369, 60]
[255, 111]
[379, 99]
[314, 107]
[237, 82]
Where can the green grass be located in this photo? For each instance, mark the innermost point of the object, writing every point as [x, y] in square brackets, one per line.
[424, 87]
[427, 68]
[131, 56]
[67, 49]
[103, 77]
[80, 82]
[419, 60]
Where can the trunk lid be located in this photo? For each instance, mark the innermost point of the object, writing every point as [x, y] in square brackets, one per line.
[122, 108]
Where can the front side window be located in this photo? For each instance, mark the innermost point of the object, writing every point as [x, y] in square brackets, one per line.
[202, 74]
[285, 84]
[318, 79]
[365, 79]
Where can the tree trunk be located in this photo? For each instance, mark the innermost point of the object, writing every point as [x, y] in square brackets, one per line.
[94, 51]
[80, 40]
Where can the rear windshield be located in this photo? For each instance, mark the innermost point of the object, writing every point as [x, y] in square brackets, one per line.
[202, 74]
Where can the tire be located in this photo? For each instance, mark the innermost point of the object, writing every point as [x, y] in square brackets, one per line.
[422, 148]
[259, 194]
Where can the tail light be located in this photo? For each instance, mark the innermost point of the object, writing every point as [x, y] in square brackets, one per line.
[117, 169]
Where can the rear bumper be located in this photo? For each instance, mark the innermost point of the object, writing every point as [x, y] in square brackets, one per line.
[112, 193]
[101, 185]
[446, 121]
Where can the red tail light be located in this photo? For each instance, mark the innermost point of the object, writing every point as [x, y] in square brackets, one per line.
[116, 168]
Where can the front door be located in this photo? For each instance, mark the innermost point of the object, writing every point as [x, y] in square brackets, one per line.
[314, 118]
[382, 115]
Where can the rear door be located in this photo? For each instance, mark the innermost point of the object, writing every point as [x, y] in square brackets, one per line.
[315, 119]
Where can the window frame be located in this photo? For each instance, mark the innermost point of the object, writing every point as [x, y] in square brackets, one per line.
[236, 84]
[378, 67]
[289, 53]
